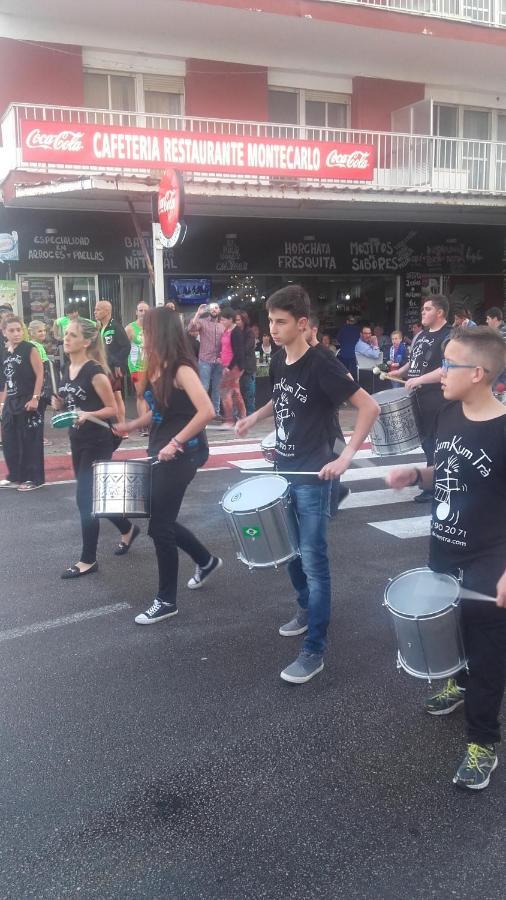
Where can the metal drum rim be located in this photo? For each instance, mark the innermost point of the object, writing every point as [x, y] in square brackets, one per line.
[243, 512]
[434, 615]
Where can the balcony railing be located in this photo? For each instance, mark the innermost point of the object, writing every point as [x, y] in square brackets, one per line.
[491, 13]
[405, 162]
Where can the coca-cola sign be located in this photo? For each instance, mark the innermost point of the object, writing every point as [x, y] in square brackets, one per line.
[106, 146]
[170, 197]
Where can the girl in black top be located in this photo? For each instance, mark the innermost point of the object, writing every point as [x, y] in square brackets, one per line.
[22, 423]
[179, 410]
[85, 386]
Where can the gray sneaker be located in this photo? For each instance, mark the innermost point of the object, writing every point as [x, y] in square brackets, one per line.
[297, 625]
[305, 667]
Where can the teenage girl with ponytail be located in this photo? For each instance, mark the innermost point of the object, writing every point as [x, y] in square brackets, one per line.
[85, 386]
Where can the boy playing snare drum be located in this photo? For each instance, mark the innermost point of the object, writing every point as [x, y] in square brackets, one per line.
[468, 535]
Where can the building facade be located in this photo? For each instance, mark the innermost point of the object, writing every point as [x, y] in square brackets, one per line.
[356, 147]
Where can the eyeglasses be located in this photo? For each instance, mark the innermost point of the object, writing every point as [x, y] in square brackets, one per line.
[446, 364]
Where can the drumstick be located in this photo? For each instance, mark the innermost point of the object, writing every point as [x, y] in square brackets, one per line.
[475, 595]
[274, 472]
[53, 379]
[384, 376]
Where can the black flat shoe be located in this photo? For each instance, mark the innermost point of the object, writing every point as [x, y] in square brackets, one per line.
[123, 548]
[75, 571]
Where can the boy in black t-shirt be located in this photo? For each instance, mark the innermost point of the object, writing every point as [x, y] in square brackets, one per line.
[468, 535]
[307, 385]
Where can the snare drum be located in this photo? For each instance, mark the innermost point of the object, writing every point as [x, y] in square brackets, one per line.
[66, 419]
[395, 429]
[262, 521]
[268, 447]
[122, 488]
[425, 610]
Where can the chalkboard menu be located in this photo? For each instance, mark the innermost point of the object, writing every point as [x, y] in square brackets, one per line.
[412, 298]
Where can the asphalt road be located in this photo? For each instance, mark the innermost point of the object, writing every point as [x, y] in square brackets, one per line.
[172, 761]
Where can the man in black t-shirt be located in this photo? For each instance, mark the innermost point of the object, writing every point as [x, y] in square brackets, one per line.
[424, 373]
[117, 348]
[307, 385]
[468, 536]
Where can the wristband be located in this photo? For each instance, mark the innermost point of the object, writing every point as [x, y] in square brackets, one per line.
[178, 444]
[36, 397]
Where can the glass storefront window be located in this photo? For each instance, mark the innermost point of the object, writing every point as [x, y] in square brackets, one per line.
[79, 292]
[38, 297]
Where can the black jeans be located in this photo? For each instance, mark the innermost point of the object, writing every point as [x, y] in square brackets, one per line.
[168, 486]
[426, 410]
[23, 436]
[484, 629]
[83, 458]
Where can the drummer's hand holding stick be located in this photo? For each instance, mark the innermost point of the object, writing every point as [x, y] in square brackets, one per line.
[501, 590]
[410, 476]
[243, 425]
[367, 413]
[121, 429]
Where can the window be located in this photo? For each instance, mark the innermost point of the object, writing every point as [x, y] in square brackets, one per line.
[314, 109]
[284, 107]
[104, 91]
[161, 95]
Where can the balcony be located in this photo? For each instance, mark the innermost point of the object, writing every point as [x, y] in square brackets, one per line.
[490, 13]
[406, 165]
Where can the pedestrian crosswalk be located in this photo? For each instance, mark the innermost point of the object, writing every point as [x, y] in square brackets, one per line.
[366, 480]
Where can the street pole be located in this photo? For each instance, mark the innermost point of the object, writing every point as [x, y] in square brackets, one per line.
[158, 266]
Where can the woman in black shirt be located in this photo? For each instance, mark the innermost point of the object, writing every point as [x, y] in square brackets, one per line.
[86, 387]
[22, 422]
[179, 410]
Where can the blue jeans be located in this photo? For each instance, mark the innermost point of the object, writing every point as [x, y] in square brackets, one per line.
[310, 573]
[210, 376]
[248, 388]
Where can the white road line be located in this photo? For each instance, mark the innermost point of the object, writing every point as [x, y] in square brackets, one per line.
[419, 526]
[37, 627]
[359, 499]
[367, 472]
[234, 448]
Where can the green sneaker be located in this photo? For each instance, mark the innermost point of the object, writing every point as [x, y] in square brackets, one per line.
[449, 699]
[476, 768]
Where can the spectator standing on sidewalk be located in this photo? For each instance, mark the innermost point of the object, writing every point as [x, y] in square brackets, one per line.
[248, 378]
[136, 361]
[210, 330]
[117, 348]
[232, 360]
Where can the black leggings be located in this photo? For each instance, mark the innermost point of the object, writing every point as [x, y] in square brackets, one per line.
[169, 483]
[82, 460]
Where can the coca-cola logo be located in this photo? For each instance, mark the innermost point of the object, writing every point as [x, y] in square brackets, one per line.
[170, 202]
[355, 159]
[167, 202]
[66, 140]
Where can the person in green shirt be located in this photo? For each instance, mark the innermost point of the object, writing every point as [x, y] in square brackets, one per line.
[136, 361]
[59, 325]
[37, 332]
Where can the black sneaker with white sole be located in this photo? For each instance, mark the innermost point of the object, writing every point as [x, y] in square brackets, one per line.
[202, 573]
[157, 612]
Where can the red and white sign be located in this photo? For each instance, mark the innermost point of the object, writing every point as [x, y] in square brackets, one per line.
[105, 146]
[170, 202]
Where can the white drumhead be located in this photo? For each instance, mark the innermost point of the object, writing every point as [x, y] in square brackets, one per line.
[254, 493]
[421, 592]
[390, 396]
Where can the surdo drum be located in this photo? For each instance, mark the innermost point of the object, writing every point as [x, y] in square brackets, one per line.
[122, 488]
[262, 521]
[395, 429]
[426, 616]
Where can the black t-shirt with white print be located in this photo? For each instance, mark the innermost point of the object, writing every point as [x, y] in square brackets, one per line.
[79, 393]
[19, 377]
[426, 356]
[468, 528]
[304, 396]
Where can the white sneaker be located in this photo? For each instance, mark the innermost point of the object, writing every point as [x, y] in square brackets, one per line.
[201, 575]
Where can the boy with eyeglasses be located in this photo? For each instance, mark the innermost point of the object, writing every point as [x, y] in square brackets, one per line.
[468, 535]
